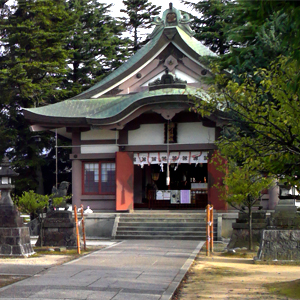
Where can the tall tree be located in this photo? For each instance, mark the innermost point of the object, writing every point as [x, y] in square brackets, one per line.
[211, 18]
[32, 66]
[95, 42]
[139, 14]
[260, 31]
[259, 98]
[242, 190]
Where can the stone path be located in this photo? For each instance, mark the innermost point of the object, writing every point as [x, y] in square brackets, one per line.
[129, 270]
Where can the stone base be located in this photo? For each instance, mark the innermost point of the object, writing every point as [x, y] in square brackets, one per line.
[15, 241]
[286, 205]
[240, 233]
[285, 220]
[58, 230]
[240, 238]
[281, 245]
[10, 217]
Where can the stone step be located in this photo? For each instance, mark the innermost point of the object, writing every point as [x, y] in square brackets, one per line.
[190, 226]
[164, 216]
[165, 233]
[164, 225]
[157, 225]
[161, 215]
[159, 237]
[163, 220]
[142, 228]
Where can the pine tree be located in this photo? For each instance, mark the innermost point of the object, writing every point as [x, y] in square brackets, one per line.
[139, 14]
[210, 21]
[32, 66]
[261, 32]
[96, 44]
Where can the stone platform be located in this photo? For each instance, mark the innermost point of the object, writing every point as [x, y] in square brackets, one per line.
[58, 230]
[14, 236]
[240, 232]
[282, 245]
[15, 241]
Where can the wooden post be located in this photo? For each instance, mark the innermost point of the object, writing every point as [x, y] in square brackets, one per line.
[207, 229]
[83, 228]
[211, 228]
[77, 231]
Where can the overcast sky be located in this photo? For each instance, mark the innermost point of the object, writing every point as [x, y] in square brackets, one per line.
[118, 4]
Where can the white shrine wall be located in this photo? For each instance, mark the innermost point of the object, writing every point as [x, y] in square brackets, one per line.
[147, 134]
[103, 135]
[88, 149]
[98, 134]
[187, 133]
[194, 133]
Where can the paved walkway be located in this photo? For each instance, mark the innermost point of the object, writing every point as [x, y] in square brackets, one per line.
[129, 270]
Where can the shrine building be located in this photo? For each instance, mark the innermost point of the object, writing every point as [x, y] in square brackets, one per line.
[136, 143]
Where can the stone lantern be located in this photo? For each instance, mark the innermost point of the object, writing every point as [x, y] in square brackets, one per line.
[6, 174]
[286, 200]
[14, 236]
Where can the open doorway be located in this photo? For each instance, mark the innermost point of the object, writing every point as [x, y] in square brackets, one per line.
[152, 178]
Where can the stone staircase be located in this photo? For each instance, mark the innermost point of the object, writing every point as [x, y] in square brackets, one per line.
[180, 226]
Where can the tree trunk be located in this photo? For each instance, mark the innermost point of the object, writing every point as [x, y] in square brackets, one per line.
[250, 228]
[135, 43]
[42, 232]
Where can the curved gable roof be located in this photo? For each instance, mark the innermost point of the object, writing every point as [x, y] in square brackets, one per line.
[178, 33]
[106, 110]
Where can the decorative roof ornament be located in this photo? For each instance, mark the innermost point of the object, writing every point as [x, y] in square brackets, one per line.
[172, 18]
[167, 80]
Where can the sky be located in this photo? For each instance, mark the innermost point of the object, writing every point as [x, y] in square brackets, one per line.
[118, 4]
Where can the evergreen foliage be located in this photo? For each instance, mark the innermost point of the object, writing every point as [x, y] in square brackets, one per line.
[260, 32]
[32, 66]
[51, 50]
[210, 21]
[139, 14]
[95, 44]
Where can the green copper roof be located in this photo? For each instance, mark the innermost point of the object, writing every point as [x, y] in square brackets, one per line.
[130, 63]
[195, 44]
[108, 107]
[159, 39]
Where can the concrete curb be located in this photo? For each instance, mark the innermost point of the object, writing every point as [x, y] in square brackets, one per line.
[168, 294]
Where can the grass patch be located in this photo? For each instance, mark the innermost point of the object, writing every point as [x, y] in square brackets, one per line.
[239, 254]
[222, 271]
[289, 289]
[9, 279]
[60, 251]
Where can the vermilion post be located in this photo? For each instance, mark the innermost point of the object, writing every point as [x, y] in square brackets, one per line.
[83, 228]
[211, 228]
[207, 228]
[77, 231]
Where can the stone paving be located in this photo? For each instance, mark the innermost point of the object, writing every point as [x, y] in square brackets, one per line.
[129, 270]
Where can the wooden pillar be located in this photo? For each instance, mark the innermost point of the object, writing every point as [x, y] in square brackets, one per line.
[124, 181]
[76, 182]
[76, 170]
[215, 177]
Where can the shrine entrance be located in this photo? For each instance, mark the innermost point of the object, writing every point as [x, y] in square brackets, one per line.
[188, 188]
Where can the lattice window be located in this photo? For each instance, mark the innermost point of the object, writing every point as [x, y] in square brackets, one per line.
[103, 182]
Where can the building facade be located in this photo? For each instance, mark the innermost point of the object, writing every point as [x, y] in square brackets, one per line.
[136, 142]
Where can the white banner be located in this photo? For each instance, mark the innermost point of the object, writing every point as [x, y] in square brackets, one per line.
[160, 158]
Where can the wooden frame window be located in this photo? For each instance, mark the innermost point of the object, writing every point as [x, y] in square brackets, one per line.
[99, 178]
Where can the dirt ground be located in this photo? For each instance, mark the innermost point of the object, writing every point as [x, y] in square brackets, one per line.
[230, 278]
[46, 260]
[43, 260]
